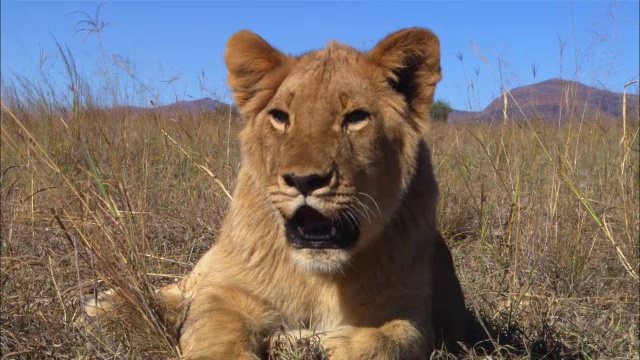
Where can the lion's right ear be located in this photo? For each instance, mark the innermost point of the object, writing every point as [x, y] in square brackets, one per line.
[256, 69]
[411, 58]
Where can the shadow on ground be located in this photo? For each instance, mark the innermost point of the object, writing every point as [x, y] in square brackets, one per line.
[486, 337]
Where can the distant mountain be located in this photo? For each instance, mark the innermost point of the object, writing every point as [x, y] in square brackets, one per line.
[200, 105]
[184, 106]
[555, 100]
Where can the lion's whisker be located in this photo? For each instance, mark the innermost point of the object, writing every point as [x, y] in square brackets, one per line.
[372, 200]
[363, 206]
[364, 214]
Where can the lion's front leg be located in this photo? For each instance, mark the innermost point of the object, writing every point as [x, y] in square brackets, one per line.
[227, 323]
[396, 339]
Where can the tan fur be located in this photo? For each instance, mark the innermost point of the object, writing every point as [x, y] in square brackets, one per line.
[379, 299]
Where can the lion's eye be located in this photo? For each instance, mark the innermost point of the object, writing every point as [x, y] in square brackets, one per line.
[279, 116]
[355, 117]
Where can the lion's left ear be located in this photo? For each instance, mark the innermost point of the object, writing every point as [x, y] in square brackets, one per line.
[256, 70]
[411, 58]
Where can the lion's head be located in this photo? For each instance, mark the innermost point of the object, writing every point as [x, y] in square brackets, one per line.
[333, 136]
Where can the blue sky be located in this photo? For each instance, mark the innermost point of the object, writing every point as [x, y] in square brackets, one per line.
[165, 50]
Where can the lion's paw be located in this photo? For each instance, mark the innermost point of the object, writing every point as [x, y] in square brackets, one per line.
[101, 304]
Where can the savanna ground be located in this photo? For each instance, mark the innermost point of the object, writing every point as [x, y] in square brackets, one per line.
[543, 222]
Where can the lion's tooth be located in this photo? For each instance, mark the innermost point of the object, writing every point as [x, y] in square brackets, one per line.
[300, 231]
[334, 231]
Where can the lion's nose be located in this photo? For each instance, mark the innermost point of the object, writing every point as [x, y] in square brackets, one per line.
[306, 184]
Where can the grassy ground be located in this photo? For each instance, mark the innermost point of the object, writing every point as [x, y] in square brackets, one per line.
[543, 223]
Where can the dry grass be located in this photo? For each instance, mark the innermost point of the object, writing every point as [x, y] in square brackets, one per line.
[543, 222]
[125, 201]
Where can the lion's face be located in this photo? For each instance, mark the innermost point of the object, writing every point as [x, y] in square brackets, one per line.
[332, 136]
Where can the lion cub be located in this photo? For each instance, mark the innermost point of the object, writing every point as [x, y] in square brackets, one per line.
[333, 222]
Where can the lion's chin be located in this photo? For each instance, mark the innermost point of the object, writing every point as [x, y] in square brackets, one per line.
[321, 261]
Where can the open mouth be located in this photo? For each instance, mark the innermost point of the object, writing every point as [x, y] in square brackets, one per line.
[309, 229]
